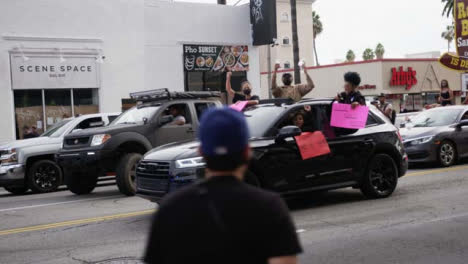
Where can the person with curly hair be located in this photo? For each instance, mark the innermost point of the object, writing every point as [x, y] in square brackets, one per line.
[351, 95]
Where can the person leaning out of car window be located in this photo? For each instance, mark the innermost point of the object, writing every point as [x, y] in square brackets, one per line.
[244, 95]
[176, 113]
[446, 94]
[351, 95]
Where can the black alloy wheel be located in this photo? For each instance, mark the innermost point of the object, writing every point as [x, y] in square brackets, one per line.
[381, 177]
[447, 154]
[44, 176]
[16, 190]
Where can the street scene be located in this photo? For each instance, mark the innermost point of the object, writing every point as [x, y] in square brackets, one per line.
[241, 131]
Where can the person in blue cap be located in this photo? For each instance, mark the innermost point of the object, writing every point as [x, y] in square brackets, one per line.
[222, 219]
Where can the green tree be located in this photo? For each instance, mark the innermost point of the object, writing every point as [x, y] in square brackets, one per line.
[368, 54]
[448, 7]
[379, 51]
[350, 56]
[295, 41]
[318, 29]
[449, 35]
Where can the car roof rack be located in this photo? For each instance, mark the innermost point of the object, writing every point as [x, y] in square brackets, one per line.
[165, 95]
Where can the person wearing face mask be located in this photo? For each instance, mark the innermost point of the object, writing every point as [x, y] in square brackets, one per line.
[351, 95]
[295, 92]
[244, 95]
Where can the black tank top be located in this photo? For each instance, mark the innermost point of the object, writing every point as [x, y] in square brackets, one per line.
[445, 95]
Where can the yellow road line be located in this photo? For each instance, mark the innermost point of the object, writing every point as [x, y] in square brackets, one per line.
[426, 172]
[74, 222]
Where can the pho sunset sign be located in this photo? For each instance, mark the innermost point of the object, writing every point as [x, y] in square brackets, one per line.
[459, 62]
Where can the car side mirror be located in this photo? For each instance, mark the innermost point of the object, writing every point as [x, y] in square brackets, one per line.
[462, 123]
[165, 120]
[76, 130]
[97, 124]
[287, 132]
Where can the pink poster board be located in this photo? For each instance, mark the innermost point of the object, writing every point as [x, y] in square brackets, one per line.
[346, 117]
[239, 105]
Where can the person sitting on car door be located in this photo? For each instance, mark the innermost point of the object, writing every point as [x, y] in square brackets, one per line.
[351, 95]
[176, 112]
[245, 95]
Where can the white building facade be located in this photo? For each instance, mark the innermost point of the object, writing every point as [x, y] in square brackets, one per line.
[63, 58]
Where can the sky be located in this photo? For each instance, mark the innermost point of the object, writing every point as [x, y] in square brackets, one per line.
[402, 26]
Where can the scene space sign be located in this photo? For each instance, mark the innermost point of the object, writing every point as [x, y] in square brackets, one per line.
[312, 145]
[263, 21]
[458, 62]
[205, 58]
[344, 116]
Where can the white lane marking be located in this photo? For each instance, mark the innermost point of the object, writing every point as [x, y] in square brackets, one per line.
[59, 203]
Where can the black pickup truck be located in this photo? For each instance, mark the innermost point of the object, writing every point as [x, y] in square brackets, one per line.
[117, 148]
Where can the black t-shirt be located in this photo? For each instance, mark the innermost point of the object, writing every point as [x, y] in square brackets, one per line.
[242, 97]
[352, 97]
[222, 220]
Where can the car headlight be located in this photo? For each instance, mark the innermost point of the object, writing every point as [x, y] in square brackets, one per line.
[9, 157]
[100, 139]
[421, 140]
[190, 163]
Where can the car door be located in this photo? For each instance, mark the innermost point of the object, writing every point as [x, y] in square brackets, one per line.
[461, 137]
[170, 132]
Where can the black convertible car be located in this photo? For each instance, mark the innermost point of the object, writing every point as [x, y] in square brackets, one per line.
[372, 158]
[437, 135]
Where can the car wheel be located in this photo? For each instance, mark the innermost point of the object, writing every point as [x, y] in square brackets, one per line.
[44, 176]
[381, 177]
[80, 183]
[126, 173]
[447, 154]
[16, 190]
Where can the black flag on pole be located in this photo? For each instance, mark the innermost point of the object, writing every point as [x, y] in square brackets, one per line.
[263, 20]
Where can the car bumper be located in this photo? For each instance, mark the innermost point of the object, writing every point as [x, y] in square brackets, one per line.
[422, 153]
[90, 160]
[11, 175]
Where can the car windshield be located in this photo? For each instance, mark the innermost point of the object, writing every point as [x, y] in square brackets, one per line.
[259, 119]
[435, 118]
[58, 129]
[136, 115]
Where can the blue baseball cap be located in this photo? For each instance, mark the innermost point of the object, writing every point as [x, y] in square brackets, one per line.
[223, 131]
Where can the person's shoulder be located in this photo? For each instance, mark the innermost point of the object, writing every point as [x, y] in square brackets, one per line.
[181, 196]
[259, 196]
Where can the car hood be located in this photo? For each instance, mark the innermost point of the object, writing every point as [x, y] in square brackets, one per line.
[189, 149]
[30, 142]
[112, 130]
[416, 132]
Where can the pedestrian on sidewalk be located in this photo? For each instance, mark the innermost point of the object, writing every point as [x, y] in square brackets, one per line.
[244, 95]
[294, 92]
[387, 108]
[446, 94]
[222, 219]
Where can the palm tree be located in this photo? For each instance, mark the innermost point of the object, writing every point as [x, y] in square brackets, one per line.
[448, 8]
[448, 35]
[350, 56]
[318, 28]
[368, 54]
[379, 51]
[295, 40]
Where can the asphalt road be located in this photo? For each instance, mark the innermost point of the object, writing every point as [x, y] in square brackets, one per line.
[425, 221]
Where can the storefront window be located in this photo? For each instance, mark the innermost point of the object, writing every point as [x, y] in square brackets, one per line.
[85, 101]
[411, 103]
[57, 106]
[28, 111]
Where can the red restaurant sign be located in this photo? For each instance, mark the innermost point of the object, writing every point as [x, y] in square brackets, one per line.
[401, 77]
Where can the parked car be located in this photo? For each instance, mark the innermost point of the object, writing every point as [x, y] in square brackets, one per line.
[29, 163]
[402, 119]
[86, 155]
[437, 135]
[372, 158]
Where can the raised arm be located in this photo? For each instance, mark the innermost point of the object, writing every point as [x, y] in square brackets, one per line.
[229, 89]
[274, 87]
[305, 89]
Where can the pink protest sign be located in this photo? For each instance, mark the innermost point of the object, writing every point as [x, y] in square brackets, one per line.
[239, 105]
[346, 117]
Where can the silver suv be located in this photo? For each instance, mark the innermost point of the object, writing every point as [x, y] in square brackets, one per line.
[29, 163]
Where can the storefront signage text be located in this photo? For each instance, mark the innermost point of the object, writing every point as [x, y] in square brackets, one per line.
[215, 58]
[459, 62]
[403, 78]
[52, 68]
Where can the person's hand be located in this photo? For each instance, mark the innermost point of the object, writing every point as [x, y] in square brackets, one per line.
[228, 75]
[277, 66]
[307, 108]
[354, 105]
[304, 67]
[337, 97]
